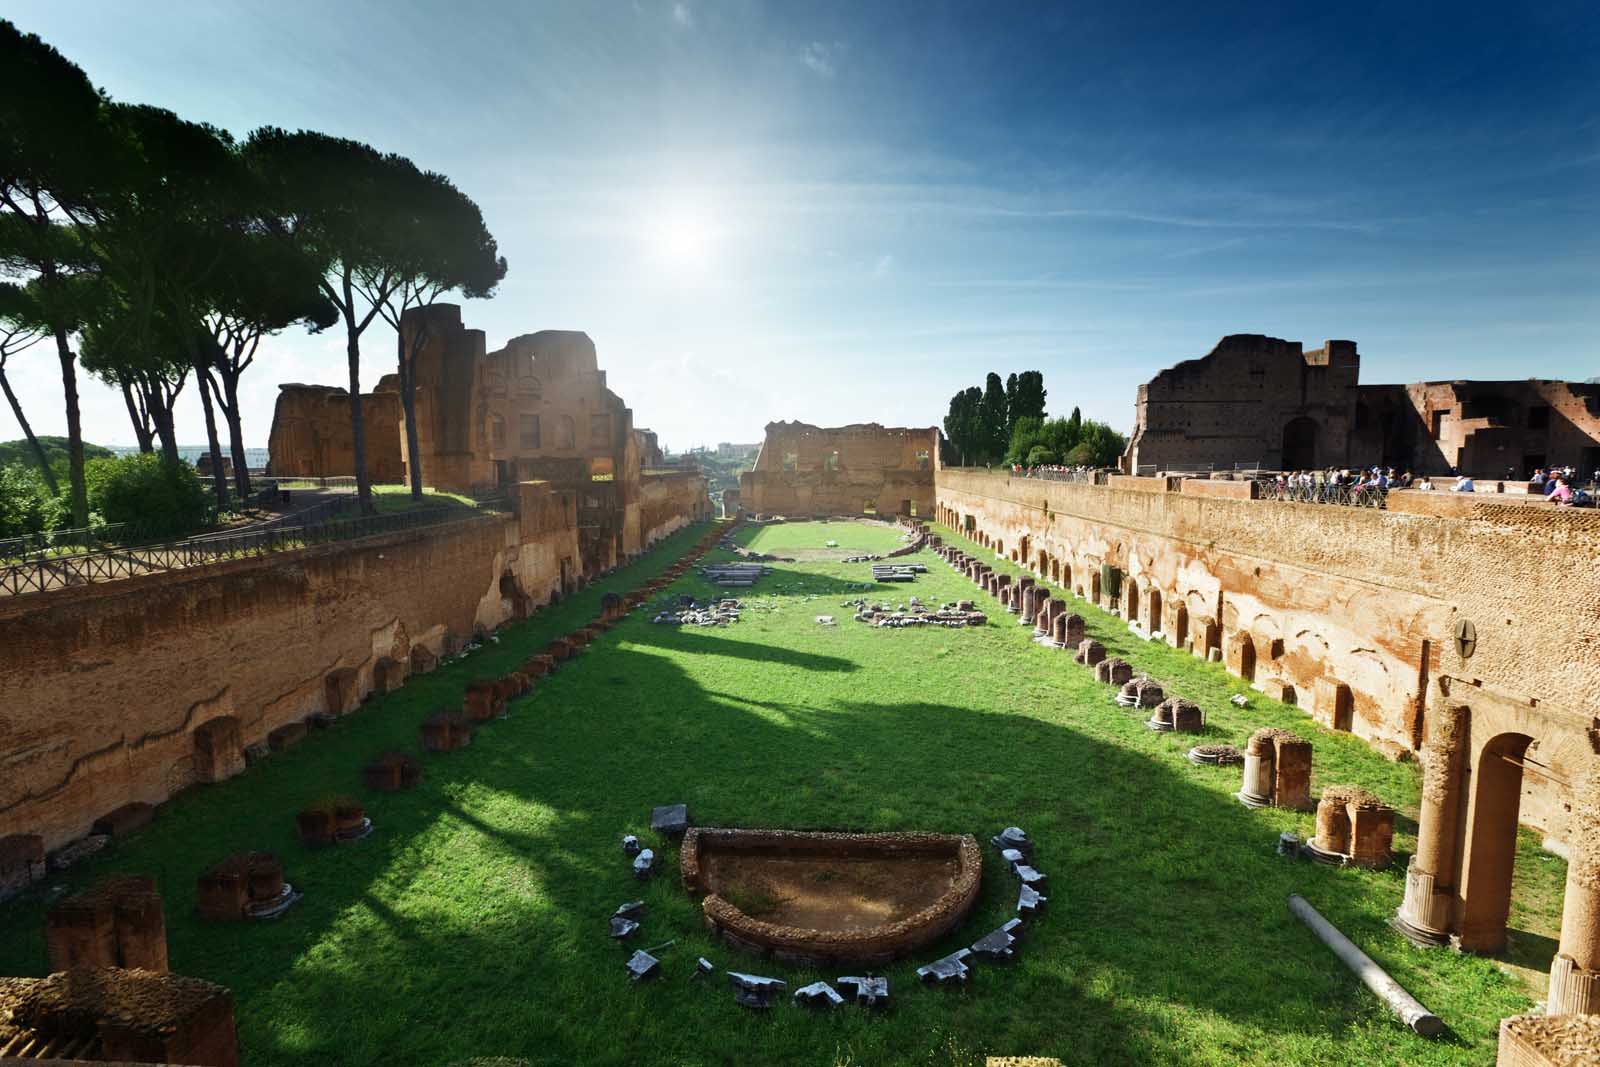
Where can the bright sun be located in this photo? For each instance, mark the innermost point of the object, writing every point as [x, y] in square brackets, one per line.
[680, 241]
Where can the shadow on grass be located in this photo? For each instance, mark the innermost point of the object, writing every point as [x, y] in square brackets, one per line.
[474, 921]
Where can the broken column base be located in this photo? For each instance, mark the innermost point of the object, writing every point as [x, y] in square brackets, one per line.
[1573, 990]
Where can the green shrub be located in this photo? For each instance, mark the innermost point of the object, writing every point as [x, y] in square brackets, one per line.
[26, 506]
[1040, 454]
[151, 495]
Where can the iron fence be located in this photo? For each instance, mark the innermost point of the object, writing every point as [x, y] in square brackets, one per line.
[1355, 496]
[112, 563]
[1086, 477]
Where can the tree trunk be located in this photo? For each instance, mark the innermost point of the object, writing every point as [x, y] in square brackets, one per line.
[203, 380]
[141, 422]
[230, 411]
[27, 431]
[358, 433]
[408, 404]
[69, 386]
[165, 432]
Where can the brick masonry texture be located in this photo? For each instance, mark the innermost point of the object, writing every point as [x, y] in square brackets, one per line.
[1350, 608]
[805, 470]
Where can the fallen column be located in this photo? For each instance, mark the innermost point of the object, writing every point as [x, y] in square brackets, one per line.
[1403, 1004]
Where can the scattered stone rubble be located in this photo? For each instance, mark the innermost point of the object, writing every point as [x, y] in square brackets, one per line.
[952, 615]
[690, 612]
[1216, 755]
[897, 572]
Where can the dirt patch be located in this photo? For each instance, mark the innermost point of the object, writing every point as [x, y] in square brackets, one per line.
[819, 897]
[822, 892]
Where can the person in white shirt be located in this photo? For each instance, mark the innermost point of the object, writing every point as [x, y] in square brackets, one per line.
[1463, 485]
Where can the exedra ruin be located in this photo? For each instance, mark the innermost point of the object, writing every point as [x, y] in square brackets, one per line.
[686, 532]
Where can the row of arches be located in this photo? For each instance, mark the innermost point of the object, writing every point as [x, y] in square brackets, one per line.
[1479, 749]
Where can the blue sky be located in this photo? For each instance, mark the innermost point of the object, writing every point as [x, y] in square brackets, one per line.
[846, 212]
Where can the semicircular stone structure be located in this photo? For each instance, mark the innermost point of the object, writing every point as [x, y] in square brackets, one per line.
[815, 897]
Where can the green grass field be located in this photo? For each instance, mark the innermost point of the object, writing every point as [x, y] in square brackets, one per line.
[473, 921]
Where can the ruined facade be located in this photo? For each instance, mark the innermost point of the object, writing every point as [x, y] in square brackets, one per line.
[1261, 402]
[536, 410]
[1466, 630]
[805, 470]
[311, 435]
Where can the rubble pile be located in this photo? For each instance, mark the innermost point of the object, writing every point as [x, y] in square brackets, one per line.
[917, 614]
[686, 611]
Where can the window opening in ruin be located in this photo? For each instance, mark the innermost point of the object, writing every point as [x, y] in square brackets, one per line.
[831, 461]
[1153, 610]
[911, 508]
[599, 429]
[869, 507]
[1436, 424]
[1300, 444]
[923, 460]
[1539, 417]
[791, 461]
[1491, 406]
[528, 430]
[566, 432]
[498, 431]
[601, 469]
[1131, 592]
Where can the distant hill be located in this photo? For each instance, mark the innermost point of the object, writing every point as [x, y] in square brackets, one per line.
[55, 448]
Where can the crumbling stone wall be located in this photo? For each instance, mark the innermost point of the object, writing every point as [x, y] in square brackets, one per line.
[107, 690]
[311, 436]
[1350, 613]
[669, 502]
[1256, 401]
[847, 470]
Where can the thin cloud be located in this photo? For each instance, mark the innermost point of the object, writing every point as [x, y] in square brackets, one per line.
[682, 15]
[822, 58]
[883, 266]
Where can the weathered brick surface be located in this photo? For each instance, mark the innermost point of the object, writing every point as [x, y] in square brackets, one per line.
[846, 470]
[1297, 594]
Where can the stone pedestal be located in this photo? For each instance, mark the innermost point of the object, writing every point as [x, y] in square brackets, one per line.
[1566, 1040]
[1092, 653]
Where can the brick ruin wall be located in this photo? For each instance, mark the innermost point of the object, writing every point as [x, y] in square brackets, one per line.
[1355, 610]
[886, 470]
[311, 435]
[105, 689]
[669, 502]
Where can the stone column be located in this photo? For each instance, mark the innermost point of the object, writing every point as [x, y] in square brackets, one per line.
[1575, 972]
[1258, 774]
[1427, 915]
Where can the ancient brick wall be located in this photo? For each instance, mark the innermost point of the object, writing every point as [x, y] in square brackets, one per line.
[669, 502]
[311, 436]
[1351, 613]
[848, 470]
[105, 689]
[1252, 399]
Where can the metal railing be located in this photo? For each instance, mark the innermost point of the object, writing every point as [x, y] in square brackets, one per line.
[113, 563]
[1085, 476]
[1322, 492]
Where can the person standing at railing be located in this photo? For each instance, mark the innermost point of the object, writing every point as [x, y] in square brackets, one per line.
[1463, 485]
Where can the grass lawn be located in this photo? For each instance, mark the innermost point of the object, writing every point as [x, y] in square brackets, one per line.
[473, 921]
[807, 542]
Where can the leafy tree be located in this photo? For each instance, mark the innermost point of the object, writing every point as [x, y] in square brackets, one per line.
[263, 285]
[962, 428]
[56, 159]
[441, 245]
[352, 208]
[145, 357]
[1040, 456]
[992, 419]
[21, 327]
[160, 497]
[27, 505]
[1028, 400]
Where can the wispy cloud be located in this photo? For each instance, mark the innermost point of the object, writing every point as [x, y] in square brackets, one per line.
[682, 15]
[1206, 250]
[822, 57]
[884, 265]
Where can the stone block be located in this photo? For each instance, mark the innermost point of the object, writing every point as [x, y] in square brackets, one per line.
[117, 923]
[239, 883]
[1074, 633]
[1120, 672]
[131, 1016]
[483, 701]
[1277, 689]
[1332, 704]
[1092, 653]
[342, 690]
[445, 731]
[388, 674]
[1292, 774]
[218, 749]
[393, 772]
[125, 820]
